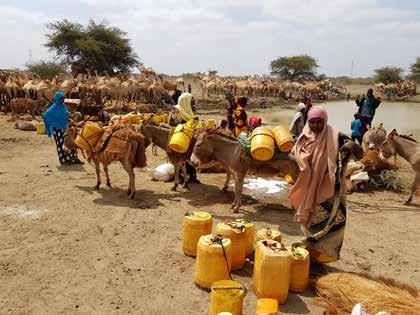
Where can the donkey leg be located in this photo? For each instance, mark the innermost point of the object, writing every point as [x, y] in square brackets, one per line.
[98, 175]
[108, 181]
[226, 185]
[184, 172]
[131, 178]
[236, 192]
[132, 183]
[240, 183]
[176, 170]
[413, 189]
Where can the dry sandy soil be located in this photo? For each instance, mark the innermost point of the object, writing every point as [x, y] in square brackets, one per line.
[67, 248]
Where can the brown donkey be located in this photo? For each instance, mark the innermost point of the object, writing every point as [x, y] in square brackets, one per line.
[409, 149]
[125, 146]
[159, 135]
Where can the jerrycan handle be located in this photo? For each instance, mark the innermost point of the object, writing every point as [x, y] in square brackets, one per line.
[268, 231]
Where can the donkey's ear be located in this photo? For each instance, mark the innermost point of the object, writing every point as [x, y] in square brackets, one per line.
[392, 134]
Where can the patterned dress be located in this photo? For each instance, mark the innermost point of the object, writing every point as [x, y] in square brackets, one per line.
[64, 156]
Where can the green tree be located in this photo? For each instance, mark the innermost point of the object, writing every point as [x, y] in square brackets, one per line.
[388, 74]
[415, 70]
[47, 69]
[95, 46]
[294, 67]
[212, 73]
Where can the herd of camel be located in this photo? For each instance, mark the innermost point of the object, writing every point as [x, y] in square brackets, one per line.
[402, 88]
[149, 87]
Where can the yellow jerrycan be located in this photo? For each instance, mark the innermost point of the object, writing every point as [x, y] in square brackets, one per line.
[210, 123]
[262, 144]
[214, 256]
[195, 225]
[299, 274]
[272, 265]
[268, 234]
[164, 118]
[236, 233]
[284, 139]
[181, 138]
[226, 296]
[40, 128]
[89, 136]
[249, 234]
[156, 119]
[267, 306]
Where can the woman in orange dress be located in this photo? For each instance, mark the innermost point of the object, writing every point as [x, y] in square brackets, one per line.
[240, 118]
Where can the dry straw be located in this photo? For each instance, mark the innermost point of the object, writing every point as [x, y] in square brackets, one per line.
[339, 292]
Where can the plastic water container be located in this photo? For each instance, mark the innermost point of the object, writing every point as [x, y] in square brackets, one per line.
[236, 233]
[214, 256]
[40, 128]
[210, 123]
[299, 274]
[284, 139]
[272, 266]
[268, 234]
[181, 138]
[249, 234]
[262, 144]
[267, 306]
[89, 136]
[195, 225]
[226, 296]
[156, 119]
[164, 118]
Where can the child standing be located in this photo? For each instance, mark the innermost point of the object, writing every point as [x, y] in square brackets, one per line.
[356, 126]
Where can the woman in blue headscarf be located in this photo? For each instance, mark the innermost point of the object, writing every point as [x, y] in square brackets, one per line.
[56, 119]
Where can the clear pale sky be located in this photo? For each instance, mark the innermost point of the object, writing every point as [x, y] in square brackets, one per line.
[233, 36]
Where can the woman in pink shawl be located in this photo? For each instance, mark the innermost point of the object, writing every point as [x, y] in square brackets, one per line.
[317, 196]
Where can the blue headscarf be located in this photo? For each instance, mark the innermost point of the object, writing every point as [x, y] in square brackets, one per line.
[57, 115]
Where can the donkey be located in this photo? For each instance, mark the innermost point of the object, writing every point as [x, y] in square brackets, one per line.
[159, 135]
[409, 149]
[216, 146]
[373, 138]
[125, 146]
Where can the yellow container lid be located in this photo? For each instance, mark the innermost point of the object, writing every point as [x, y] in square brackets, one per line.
[197, 217]
[209, 240]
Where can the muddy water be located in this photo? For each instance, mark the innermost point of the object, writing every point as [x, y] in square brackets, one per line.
[405, 117]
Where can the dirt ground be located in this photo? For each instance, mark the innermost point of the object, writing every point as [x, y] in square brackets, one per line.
[67, 248]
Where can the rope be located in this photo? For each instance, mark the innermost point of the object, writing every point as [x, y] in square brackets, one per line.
[218, 239]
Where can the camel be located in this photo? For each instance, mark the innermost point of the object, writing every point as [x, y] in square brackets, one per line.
[156, 92]
[67, 86]
[125, 146]
[22, 106]
[29, 89]
[409, 149]
[12, 89]
[180, 83]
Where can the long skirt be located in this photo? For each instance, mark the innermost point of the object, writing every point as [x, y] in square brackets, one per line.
[64, 156]
[324, 237]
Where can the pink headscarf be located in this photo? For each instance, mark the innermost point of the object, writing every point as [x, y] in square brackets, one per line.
[316, 155]
[317, 112]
